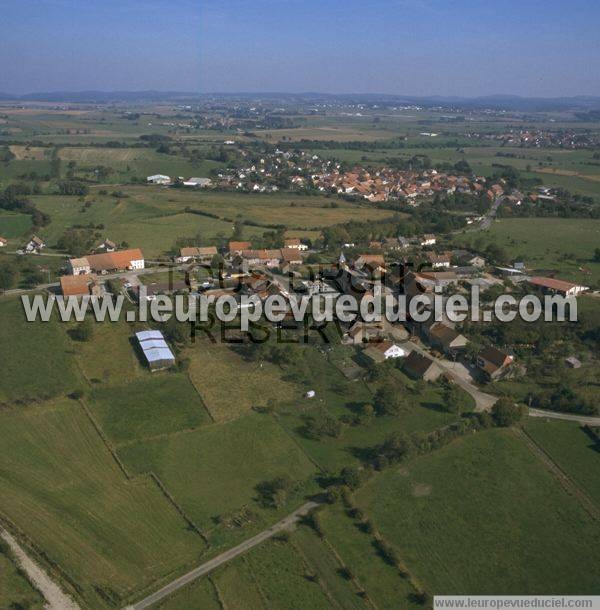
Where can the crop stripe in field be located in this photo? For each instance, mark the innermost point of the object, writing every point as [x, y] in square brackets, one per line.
[566, 482]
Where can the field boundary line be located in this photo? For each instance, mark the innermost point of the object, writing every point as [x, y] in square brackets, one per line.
[320, 581]
[212, 417]
[177, 507]
[297, 443]
[564, 479]
[105, 441]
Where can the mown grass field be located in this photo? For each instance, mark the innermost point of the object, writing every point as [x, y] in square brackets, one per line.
[14, 226]
[15, 590]
[110, 356]
[572, 449]
[562, 244]
[230, 386]
[152, 406]
[154, 218]
[60, 485]
[484, 514]
[41, 363]
[133, 162]
[214, 470]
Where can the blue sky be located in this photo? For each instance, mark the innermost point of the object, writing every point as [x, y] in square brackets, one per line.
[412, 47]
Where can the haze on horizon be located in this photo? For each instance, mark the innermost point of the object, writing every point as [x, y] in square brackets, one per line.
[464, 48]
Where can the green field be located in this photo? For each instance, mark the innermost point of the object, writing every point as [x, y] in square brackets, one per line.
[278, 574]
[478, 516]
[382, 582]
[565, 245]
[61, 486]
[248, 384]
[154, 218]
[149, 407]
[214, 470]
[572, 449]
[41, 364]
[14, 226]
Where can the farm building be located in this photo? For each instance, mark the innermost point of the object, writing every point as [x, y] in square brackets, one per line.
[294, 242]
[3, 242]
[193, 253]
[77, 285]
[198, 182]
[123, 260]
[159, 179]
[157, 353]
[567, 289]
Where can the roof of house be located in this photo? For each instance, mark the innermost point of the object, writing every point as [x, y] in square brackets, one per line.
[79, 262]
[383, 346]
[494, 356]
[290, 255]
[417, 364]
[75, 285]
[195, 251]
[443, 333]
[292, 241]
[109, 260]
[238, 246]
[552, 284]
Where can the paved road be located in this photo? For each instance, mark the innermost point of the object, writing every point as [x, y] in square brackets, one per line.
[582, 419]
[236, 551]
[486, 223]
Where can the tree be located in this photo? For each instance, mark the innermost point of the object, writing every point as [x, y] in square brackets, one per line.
[83, 331]
[8, 275]
[274, 493]
[597, 255]
[388, 401]
[506, 413]
[454, 399]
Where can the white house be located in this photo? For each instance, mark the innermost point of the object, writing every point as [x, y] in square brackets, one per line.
[159, 179]
[428, 240]
[3, 242]
[380, 352]
[79, 266]
[35, 244]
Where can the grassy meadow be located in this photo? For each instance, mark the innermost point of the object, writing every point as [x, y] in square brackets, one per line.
[61, 486]
[572, 449]
[564, 245]
[478, 515]
[41, 363]
[214, 470]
